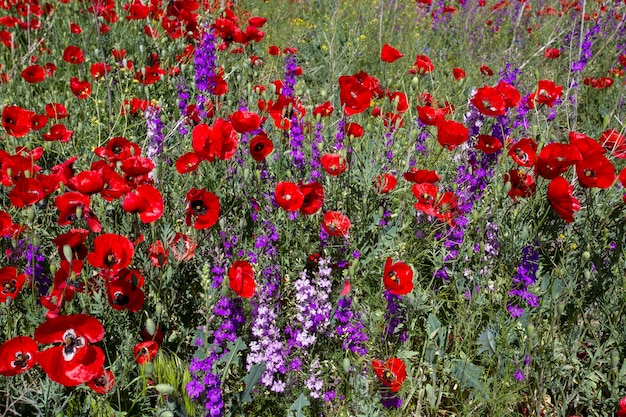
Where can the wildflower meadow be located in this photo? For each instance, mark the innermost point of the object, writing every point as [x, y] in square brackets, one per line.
[313, 208]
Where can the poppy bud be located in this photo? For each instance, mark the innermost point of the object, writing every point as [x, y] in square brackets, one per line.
[415, 81]
[158, 309]
[53, 269]
[166, 413]
[150, 326]
[323, 93]
[530, 329]
[587, 274]
[148, 368]
[560, 308]
[67, 252]
[30, 214]
[246, 173]
[507, 186]
[586, 255]
[346, 365]
[164, 389]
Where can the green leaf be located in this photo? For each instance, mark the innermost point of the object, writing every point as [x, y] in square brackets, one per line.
[433, 325]
[250, 380]
[298, 405]
[487, 342]
[232, 352]
[468, 374]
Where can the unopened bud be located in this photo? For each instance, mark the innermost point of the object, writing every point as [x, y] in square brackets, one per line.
[67, 252]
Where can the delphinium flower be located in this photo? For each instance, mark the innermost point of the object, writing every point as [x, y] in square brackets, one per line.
[314, 382]
[312, 306]
[154, 131]
[34, 268]
[340, 135]
[267, 345]
[420, 142]
[318, 139]
[525, 276]
[205, 62]
[206, 381]
[585, 51]
[349, 327]
[395, 316]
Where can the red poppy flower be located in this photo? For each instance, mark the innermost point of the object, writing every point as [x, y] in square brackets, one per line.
[187, 163]
[18, 355]
[390, 54]
[551, 53]
[547, 93]
[426, 194]
[241, 279]
[458, 73]
[336, 224]
[488, 144]
[562, 200]
[145, 200]
[353, 129]
[522, 183]
[260, 147]
[614, 141]
[73, 54]
[354, 96]
[75, 240]
[273, 50]
[10, 283]
[87, 182]
[489, 101]
[430, 116]
[313, 193]
[73, 360]
[511, 96]
[422, 65]
[80, 89]
[385, 183]
[98, 70]
[38, 121]
[111, 252]
[16, 121]
[183, 246]
[399, 100]
[245, 121]
[56, 111]
[58, 133]
[391, 373]
[136, 166]
[145, 351]
[204, 208]
[555, 158]
[75, 28]
[451, 134]
[218, 141]
[324, 109]
[445, 207]
[74, 206]
[33, 74]
[334, 164]
[398, 277]
[485, 70]
[158, 254]
[27, 191]
[103, 382]
[524, 152]
[288, 196]
[595, 172]
[125, 293]
[420, 176]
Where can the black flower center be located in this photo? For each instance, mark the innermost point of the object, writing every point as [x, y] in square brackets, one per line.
[9, 287]
[589, 173]
[21, 360]
[389, 376]
[71, 344]
[198, 207]
[111, 259]
[120, 299]
[259, 147]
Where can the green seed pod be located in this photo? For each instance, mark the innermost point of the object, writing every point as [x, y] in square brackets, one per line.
[67, 252]
[27, 174]
[79, 212]
[164, 388]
